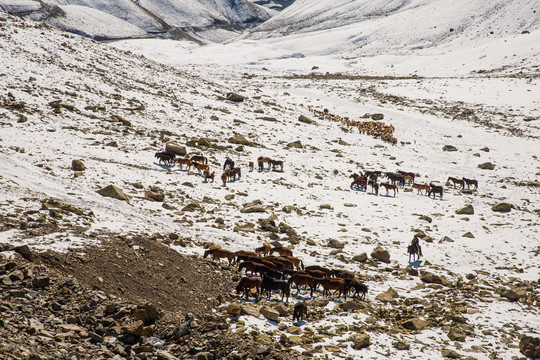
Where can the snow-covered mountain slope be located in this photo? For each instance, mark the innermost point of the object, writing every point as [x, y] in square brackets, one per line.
[473, 293]
[396, 26]
[199, 17]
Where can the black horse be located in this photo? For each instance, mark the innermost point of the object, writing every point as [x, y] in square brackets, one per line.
[435, 189]
[275, 163]
[356, 287]
[270, 284]
[166, 157]
[229, 164]
[470, 182]
[414, 249]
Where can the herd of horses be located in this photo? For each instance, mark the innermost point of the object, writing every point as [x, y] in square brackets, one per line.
[265, 272]
[200, 162]
[395, 180]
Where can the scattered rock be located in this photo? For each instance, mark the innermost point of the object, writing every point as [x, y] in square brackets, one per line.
[335, 244]
[400, 345]
[24, 251]
[148, 313]
[430, 278]
[359, 341]
[235, 97]
[239, 140]
[380, 254]
[360, 258]
[250, 310]
[425, 218]
[466, 210]
[530, 346]
[486, 166]
[468, 235]
[451, 354]
[509, 294]
[456, 335]
[252, 209]
[78, 165]
[113, 192]
[502, 207]
[414, 324]
[295, 145]
[193, 207]
[388, 296]
[270, 313]
[305, 119]
[154, 196]
[377, 116]
[449, 148]
[282, 309]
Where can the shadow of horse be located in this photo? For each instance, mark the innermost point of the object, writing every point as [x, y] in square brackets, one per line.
[414, 264]
[163, 166]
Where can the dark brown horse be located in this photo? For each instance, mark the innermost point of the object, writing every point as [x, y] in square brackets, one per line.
[200, 159]
[300, 309]
[165, 157]
[435, 189]
[209, 176]
[470, 182]
[456, 181]
[414, 249]
[300, 279]
[356, 287]
[247, 283]
[275, 163]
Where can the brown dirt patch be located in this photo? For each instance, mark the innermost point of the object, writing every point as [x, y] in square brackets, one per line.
[143, 270]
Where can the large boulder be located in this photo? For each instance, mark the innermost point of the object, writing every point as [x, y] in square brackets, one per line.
[78, 165]
[449, 148]
[239, 140]
[113, 192]
[414, 324]
[430, 278]
[487, 166]
[175, 148]
[502, 207]
[388, 296]
[380, 254]
[270, 313]
[466, 210]
[147, 313]
[235, 97]
[305, 119]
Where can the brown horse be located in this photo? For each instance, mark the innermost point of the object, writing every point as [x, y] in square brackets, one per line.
[388, 186]
[208, 175]
[300, 309]
[224, 178]
[218, 254]
[300, 279]
[247, 283]
[281, 250]
[265, 249]
[200, 159]
[336, 284]
[287, 264]
[183, 161]
[250, 266]
[421, 187]
[327, 271]
[200, 167]
[414, 249]
[261, 160]
[343, 274]
[456, 181]
[297, 262]
[251, 166]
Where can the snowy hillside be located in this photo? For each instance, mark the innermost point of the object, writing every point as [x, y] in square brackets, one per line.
[472, 295]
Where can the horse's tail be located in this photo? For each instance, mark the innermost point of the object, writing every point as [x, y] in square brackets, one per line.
[302, 264]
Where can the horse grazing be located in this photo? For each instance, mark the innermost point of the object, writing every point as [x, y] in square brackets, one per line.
[325, 270]
[456, 181]
[200, 167]
[301, 279]
[470, 182]
[250, 266]
[300, 309]
[275, 163]
[269, 284]
[297, 262]
[343, 274]
[265, 249]
[208, 175]
[356, 287]
[183, 161]
[165, 157]
[224, 178]
[421, 187]
[281, 250]
[200, 159]
[435, 189]
[336, 284]
[251, 166]
[247, 283]
[414, 249]
[218, 254]
[388, 186]
[229, 164]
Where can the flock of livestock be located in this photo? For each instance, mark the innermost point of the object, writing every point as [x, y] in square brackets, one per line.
[373, 128]
[269, 272]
